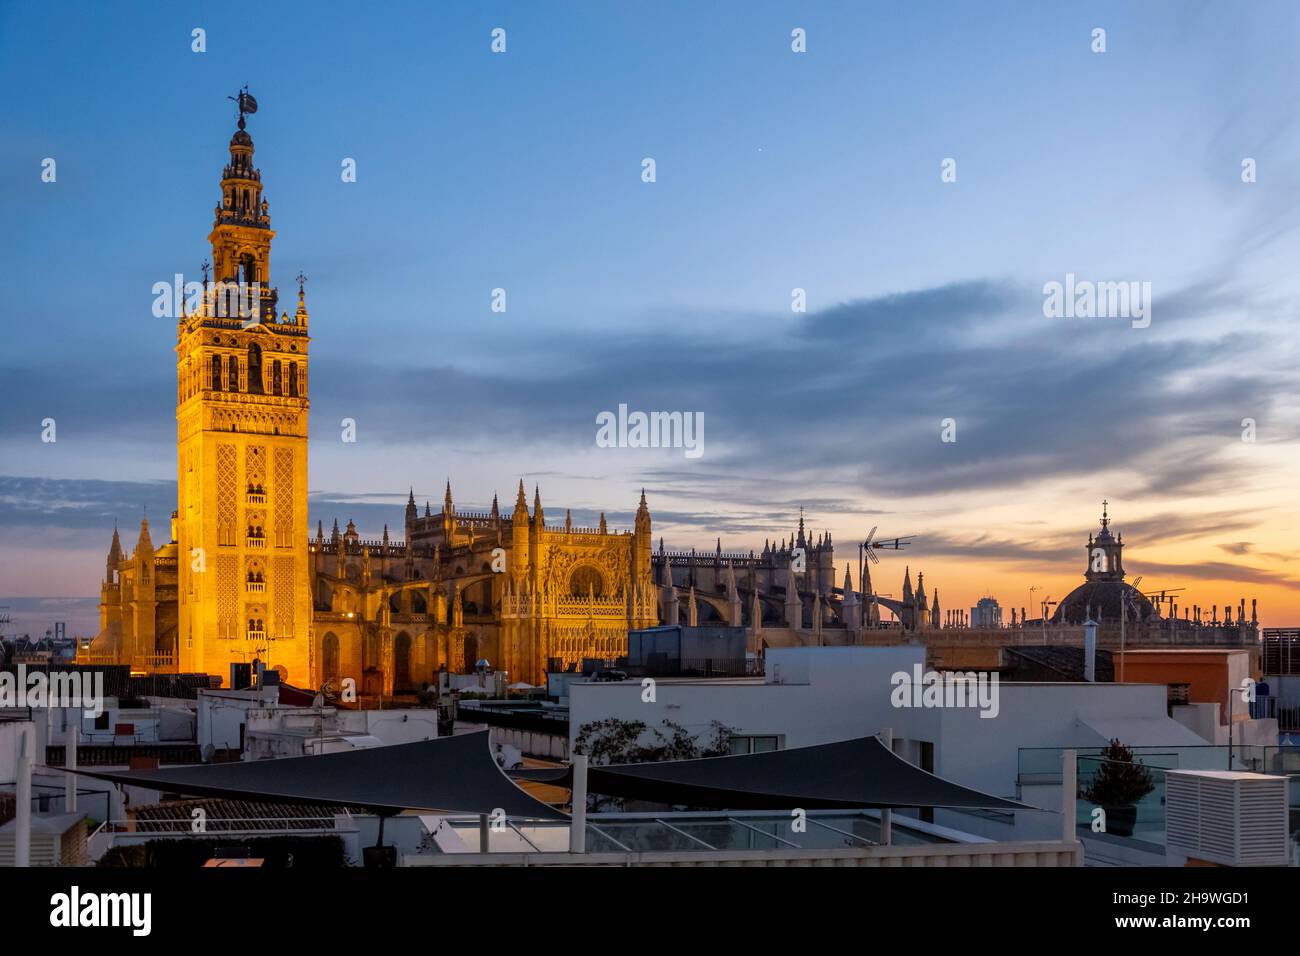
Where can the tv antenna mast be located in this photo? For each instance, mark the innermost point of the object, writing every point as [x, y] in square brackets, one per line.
[871, 546]
[868, 548]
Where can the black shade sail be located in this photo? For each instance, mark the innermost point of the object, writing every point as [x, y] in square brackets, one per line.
[848, 774]
[455, 774]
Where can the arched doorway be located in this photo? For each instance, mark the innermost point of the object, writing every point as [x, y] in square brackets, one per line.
[330, 660]
[402, 662]
[471, 653]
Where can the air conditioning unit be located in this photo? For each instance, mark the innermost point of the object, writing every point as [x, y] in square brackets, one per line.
[1228, 817]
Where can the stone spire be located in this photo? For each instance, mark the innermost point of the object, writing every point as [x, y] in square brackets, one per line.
[143, 544]
[793, 605]
[114, 557]
[849, 606]
[733, 595]
[300, 316]
[672, 611]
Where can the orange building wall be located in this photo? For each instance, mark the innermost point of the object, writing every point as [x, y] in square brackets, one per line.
[1208, 673]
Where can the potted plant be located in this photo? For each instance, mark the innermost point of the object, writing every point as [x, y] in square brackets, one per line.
[1118, 786]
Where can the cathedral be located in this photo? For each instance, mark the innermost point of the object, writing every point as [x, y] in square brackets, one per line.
[466, 586]
[243, 579]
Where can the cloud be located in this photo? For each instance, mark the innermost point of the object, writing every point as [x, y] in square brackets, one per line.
[833, 410]
[1217, 571]
[84, 504]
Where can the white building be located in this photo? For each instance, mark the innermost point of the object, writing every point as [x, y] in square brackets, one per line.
[255, 722]
[821, 694]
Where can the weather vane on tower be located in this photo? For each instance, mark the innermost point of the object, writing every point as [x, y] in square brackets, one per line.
[246, 102]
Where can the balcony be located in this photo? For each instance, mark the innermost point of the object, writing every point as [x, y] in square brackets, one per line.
[256, 587]
[255, 498]
[258, 542]
[154, 664]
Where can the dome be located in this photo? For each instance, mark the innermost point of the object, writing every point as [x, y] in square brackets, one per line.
[241, 138]
[1103, 598]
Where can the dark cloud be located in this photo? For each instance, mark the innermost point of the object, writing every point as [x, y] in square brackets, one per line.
[1214, 571]
[851, 397]
[85, 504]
[1237, 547]
[1067, 546]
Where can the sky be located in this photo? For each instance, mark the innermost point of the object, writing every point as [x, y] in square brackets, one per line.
[774, 171]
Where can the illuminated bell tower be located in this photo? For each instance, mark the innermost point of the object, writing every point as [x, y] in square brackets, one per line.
[241, 417]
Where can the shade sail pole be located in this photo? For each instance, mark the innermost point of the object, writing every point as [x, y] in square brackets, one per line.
[578, 816]
[886, 814]
[71, 741]
[1069, 790]
[23, 799]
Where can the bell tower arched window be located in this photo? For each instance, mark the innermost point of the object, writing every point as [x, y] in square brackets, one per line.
[255, 369]
[216, 373]
[293, 379]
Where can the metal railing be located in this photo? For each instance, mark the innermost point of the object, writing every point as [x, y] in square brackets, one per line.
[186, 826]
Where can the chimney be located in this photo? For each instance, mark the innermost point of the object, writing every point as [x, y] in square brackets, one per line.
[1090, 649]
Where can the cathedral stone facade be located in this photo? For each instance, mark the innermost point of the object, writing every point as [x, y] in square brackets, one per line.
[465, 587]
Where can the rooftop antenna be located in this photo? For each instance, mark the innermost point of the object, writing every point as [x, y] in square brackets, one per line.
[1161, 596]
[870, 546]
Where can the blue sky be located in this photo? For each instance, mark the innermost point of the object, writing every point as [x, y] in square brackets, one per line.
[775, 170]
